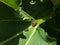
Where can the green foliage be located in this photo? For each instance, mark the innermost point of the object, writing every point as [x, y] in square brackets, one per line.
[11, 3]
[40, 37]
[16, 17]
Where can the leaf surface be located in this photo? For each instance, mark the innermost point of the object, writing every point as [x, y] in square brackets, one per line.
[11, 3]
[40, 37]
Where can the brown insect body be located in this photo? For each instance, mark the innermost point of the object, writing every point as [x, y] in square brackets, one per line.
[33, 23]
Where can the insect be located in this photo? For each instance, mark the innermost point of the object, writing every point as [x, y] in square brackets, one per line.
[34, 22]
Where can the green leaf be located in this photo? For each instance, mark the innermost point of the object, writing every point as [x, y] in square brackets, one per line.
[11, 3]
[11, 30]
[6, 12]
[40, 37]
